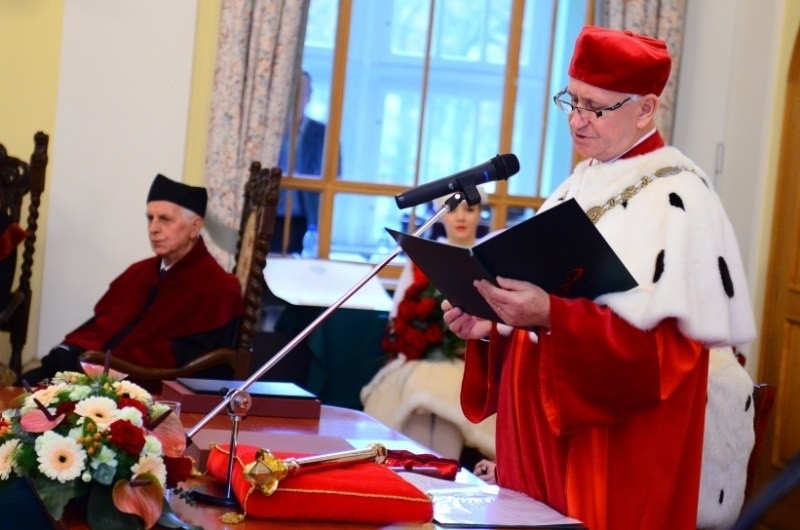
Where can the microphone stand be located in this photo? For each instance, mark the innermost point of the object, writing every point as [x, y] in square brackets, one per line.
[238, 401]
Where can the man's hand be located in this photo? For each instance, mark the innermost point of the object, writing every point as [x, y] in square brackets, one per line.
[520, 304]
[464, 325]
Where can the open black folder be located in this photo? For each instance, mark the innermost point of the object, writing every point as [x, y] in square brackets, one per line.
[560, 250]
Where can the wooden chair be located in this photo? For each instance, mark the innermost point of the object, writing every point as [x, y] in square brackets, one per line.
[20, 180]
[255, 232]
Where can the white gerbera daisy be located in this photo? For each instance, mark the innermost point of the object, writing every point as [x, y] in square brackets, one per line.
[151, 464]
[7, 451]
[133, 390]
[59, 458]
[101, 409]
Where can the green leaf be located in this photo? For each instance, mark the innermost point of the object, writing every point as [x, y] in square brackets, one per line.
[56, 495]
[101, 513]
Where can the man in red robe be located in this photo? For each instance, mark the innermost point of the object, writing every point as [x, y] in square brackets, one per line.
[167, 309]
[600, 403]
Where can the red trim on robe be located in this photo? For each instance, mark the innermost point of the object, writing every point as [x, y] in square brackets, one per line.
[649, 144]
[607, 423]
[194, 296]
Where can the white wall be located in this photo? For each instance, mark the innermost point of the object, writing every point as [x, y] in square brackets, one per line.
[730, 78]
[121, 119]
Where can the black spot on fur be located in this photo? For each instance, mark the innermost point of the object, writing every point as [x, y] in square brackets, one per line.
[749, 402]
[624, 204]
[721, 496]
[725, 275]
[676, 201]
[659, 267]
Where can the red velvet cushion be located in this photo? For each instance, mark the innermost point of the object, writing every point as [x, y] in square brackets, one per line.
[367, 493]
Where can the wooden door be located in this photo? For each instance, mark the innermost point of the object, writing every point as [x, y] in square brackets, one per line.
[780, 340]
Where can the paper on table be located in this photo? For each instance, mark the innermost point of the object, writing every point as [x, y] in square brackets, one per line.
[457, 505]
[320, 283]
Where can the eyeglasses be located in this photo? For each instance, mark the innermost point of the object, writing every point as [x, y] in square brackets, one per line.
[569, 108]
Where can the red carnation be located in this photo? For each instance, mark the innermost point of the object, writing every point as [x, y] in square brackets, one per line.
[135, 403]
[66, 408]
[126, 436]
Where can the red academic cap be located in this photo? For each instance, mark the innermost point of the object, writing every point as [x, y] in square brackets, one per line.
[621, 61]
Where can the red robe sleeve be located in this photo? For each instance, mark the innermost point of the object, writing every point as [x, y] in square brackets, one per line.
[481, 382]
[598, 370]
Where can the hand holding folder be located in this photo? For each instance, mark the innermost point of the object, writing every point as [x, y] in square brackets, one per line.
[560, 250]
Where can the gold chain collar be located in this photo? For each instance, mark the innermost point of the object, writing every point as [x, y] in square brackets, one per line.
[596, 212]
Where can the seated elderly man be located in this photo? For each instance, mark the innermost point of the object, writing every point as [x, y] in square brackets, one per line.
[165, 310]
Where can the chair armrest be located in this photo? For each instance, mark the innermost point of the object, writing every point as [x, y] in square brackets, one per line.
[148, 373]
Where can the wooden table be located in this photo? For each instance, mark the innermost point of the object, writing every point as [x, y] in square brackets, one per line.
[335, 427]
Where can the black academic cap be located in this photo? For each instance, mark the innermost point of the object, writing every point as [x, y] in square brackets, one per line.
[193, 198]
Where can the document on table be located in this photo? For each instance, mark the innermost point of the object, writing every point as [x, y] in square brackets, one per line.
[459, 505]
[321, 283]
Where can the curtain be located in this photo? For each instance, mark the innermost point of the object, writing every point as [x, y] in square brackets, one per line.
[663, 19]
[258, 54]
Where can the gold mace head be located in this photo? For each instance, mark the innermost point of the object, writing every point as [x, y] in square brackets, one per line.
[266, 471]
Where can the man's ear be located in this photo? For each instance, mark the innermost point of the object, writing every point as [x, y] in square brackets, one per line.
[197, 225]
[648, 108]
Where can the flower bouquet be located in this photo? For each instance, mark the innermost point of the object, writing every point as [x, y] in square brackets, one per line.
[418, 331]
[97, 436]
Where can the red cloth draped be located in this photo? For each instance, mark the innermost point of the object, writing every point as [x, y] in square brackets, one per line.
[366, 493]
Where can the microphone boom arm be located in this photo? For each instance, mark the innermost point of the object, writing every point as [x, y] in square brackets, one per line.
[449, 205]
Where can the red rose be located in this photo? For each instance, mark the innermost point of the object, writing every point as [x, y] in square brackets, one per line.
[415, 289]
[425, 308]
[412, 353]
[126, 436]
[434, 334]
[406, 309]
[178, 469]
[416, 337]
[400, 327]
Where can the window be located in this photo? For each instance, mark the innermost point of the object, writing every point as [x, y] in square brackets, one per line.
[426, 90]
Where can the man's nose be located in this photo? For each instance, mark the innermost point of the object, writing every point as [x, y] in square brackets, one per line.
[577, 116]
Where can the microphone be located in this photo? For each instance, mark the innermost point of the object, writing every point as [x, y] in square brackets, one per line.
[498, 168]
